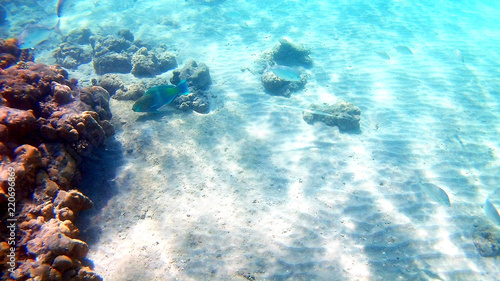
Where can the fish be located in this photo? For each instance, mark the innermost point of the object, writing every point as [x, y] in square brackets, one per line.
[286, 73]
[59, 8]
[403, 50]
[383, 55]
[459, 56]
[490, 209]
[159, 96]
[36, 34]
[437, 193]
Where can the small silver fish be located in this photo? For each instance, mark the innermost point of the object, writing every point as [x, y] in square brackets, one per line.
[286, 73]
[459, 55]
[383, 55]
[403, 50]
[437, 193]
[490, 207]
[36, 34]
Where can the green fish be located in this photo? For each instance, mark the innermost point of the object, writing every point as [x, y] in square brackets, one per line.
[158, 96]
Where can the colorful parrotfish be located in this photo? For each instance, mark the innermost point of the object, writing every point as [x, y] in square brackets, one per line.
[158, 96]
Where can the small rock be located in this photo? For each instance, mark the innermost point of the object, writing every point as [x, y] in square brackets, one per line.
[196, 74]
[111, 83]
[291, 54]
[344, 115]
[132, 92]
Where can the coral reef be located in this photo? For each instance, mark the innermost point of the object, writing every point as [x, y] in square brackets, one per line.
[121, 54]
[285, 54]
[344, 115]
[148, 64]
[199, 81]
[48, 125]
[71, 55]
[75, 49]
[487, 241]
[112, 54]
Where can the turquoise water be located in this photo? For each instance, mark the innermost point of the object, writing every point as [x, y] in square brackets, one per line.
[250, 191]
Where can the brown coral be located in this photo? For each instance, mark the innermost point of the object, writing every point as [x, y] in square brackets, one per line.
[47, 123]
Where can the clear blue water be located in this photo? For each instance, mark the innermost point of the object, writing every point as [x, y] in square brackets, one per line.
[252, 191]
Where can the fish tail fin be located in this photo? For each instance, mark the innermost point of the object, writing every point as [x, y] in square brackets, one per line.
[59, 8]
[56, 27]
[183, 88]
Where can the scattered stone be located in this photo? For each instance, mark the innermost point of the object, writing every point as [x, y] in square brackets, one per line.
[112, 54]
[291, 54]
[275, 85]
[132, 92]
[79, 36]
[112, 63]
[148, 64]
[196, 102]
[125, 34]
[344, 115]
[198, 78]
[487, 241]
[72, 55]
[196, 74]
[111, 82]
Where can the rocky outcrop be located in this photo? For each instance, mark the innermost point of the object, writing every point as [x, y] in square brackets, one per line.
[342, 114]
[149, 64]
[121, 54]
[285, 54]
[275, 85]
[112, 54]
[75, 50]
[291, 54]
[198, 78]
[48, 125]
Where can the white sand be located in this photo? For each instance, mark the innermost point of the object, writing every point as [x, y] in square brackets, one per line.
[252, 191]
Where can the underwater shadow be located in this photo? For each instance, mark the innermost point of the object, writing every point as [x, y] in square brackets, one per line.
[153, 116]
[97, 184]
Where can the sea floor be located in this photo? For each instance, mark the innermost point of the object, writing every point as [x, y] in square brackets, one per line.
[250, 191]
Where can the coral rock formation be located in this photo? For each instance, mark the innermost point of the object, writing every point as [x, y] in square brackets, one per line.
[47, 126]
[148, 64]
[277, 86]
[291, 54]
[342, 114]
[199, 81]
[112, 54]
[111, 82]
[132, 92]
